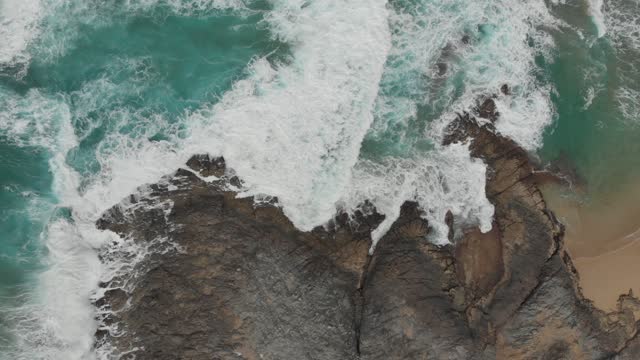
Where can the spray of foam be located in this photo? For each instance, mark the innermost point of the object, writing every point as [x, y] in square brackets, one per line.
[502, 41]
[18, 27]
[504, 54]
[595, 10]
[446, 180]
[55, 319]
[47, 29]
[294, 130]
[622, 18]
[188, 7]
[30, 120]
[498, 51]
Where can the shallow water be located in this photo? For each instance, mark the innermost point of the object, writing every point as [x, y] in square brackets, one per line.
[352, 97]
[602, 236]
[595, 138]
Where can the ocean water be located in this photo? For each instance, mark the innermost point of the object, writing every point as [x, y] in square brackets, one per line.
[351, 96]
[597, 98]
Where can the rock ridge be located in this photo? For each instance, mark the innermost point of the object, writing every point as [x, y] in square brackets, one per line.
[236, 280]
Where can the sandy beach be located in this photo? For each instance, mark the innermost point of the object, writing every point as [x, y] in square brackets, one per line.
[603, 238]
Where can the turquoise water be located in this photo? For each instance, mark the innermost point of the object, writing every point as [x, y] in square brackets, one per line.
[597, 126]
[112, 75]
[119, 75]
[25, 205]
[97, 99]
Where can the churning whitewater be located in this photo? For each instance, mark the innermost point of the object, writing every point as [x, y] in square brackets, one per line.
[322, 104]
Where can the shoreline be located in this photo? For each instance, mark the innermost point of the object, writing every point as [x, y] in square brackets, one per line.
[603, 238]
[248, 277]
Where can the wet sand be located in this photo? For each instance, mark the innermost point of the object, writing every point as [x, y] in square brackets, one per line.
[603, 238]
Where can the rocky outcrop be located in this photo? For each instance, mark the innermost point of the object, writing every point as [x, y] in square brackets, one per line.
[234, 280]
[536, 310]
[241, 283]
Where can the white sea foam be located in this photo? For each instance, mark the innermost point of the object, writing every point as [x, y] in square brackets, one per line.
[512, 37]
[33, 119]
[622, 19]
[47, 29]
[56, 318]
[446, 180]
[504, 39]
[189, 7]
[595, 10]
[588, 98]
[629, 105]
[18, 27]
[294, 130]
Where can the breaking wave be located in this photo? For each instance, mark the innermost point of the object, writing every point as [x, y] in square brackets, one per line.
[323, 104]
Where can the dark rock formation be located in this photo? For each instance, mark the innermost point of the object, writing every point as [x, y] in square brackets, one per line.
[243, 281]
[488, 110]
[235, 280]
[207, 166]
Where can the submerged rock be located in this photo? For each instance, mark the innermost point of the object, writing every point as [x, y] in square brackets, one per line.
[236, 280]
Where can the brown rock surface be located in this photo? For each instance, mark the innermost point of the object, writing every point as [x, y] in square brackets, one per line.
[240, 282]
